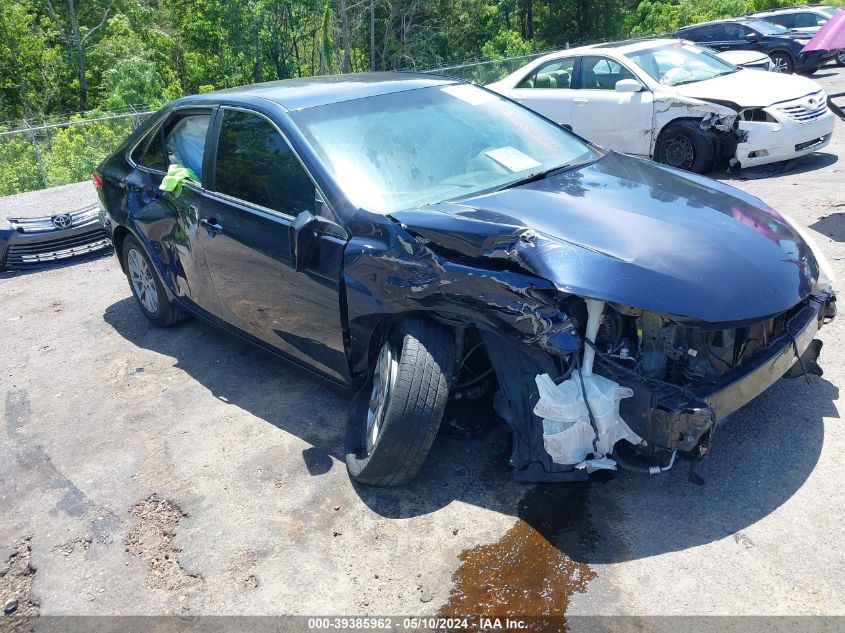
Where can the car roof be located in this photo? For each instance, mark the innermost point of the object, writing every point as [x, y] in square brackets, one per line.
[740, 20]
[621, 47]
[309, 92]
[793, 9]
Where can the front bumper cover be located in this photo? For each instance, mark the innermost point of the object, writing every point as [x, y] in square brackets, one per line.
[766, 143]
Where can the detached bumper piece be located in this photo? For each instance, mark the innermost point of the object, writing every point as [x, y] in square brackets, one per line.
[834, 101]
[37, 242]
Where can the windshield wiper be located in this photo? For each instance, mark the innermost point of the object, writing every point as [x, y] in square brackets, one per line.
[540, 175]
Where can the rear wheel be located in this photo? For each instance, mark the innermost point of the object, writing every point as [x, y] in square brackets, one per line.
[684, 145]
[782, 62]
[390, 434]
[840, 57]
[147, 288]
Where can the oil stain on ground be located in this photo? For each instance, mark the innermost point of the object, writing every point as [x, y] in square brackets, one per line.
[535, 568]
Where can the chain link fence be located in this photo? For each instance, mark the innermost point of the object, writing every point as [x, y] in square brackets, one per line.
[41, 153]
[486, 71]
[58, 150]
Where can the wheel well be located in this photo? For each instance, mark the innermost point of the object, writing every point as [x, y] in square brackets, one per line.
[690, 121]
[783, 51]
[680, 120]
[118, 237]
[464, 335]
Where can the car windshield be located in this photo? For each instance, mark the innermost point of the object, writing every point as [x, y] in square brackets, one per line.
[767, 28]
[408, 149]
[828, 11]
[680, 63]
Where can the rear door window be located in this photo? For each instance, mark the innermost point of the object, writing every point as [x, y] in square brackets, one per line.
[736, 32]
[804, 20]
[255, 164]
[185, 141]
[785, 19]
[708, 33]
[556, 74]
[149, 152]
[154, 157]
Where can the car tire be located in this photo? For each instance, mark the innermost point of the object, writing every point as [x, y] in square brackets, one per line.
[684, 145]
[393, 425]
[840, 57]
[782, 62]
[146, 286]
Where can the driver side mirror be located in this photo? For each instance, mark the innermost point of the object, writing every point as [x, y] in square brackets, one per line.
[628, 85]
[751, 37]
[303, 240]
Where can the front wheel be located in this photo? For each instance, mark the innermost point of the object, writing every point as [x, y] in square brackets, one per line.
[840, 57]
[389, 437]
[782, 63]
[683, 145]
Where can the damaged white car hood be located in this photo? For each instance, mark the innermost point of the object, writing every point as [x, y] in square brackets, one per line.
[749, 88]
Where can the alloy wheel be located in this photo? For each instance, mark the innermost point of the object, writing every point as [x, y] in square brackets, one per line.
[779, 64]
[840, 56]
[143, 282]
[384, 377]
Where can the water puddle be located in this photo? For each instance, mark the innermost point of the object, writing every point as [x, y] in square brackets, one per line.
[535, 568]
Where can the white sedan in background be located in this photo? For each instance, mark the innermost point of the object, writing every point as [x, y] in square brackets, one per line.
[676, 102]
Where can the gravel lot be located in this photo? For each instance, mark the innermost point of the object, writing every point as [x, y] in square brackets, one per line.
[148, 471]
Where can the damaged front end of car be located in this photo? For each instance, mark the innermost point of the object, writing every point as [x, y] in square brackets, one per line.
[747, 136]
[676, 380]
[617, 338]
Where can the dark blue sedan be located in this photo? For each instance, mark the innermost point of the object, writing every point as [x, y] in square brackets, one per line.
[417, 239]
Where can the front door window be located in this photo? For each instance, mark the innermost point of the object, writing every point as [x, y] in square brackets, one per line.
[256, 165]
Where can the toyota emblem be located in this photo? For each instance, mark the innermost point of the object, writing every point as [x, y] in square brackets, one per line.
[812, 102]
[61, 221]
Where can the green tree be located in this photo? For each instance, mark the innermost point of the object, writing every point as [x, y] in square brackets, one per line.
[75, 150]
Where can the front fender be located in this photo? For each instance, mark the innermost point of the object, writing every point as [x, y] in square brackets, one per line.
[390, 276]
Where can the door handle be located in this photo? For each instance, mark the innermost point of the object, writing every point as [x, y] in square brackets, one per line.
[580, 100]
[210, 225]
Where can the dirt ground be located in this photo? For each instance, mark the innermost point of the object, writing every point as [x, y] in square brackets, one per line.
[180, 471]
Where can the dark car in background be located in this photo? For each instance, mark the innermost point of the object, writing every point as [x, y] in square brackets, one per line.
[415, 238]
[806, 19]
[781, 44]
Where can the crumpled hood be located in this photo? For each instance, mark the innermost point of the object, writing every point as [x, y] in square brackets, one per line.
[750, 88]
[635, 233]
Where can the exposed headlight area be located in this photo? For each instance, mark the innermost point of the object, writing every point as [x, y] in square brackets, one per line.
[757, 115]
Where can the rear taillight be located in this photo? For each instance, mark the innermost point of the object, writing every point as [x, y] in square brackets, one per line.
[97, 178]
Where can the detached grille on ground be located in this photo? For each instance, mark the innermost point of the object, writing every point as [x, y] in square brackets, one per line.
[40, 253]
[35, 242]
